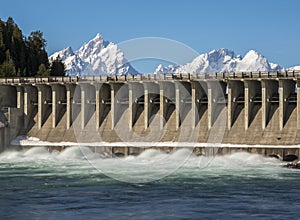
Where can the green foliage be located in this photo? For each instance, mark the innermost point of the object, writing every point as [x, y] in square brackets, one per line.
[36, 51]
[20, 56]
[58, 67]
[7, 68]
[43, 71]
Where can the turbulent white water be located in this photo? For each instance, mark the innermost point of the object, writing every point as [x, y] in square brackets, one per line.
[33, 141]
[148, 166]
[73, 184]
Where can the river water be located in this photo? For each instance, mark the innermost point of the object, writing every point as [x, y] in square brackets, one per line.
[36, 184]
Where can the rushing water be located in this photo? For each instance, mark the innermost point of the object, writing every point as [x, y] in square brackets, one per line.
[37, 184]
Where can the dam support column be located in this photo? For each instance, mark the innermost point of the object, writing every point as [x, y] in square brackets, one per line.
[70, 88]
[151, 98]
[44, 102]
[183, 100]
[20, 97]
[235, 95]
[97, 106]
[116, 102]
[30, 103]
[167, 98]
[269, 90]
[216, 94]
[58, 102]
[88, 94]
[136, 93]
[252, 92]
[199, 92]
[286, 89]
[102, 100]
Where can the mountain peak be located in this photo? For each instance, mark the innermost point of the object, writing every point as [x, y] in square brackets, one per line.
[224, 60]
[222, 51]
[96, 57]
[253, 53]
[98, 37]
[68, 50]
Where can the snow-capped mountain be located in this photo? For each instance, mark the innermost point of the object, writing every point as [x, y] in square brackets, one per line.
[96, 57]
[100, 57]
[222, 60]
[294, 68]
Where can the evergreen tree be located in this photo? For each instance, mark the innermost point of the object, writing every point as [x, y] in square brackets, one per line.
[18, 49]
[2, 45]
[18, 55]
[43, 71]
[58, 67]
[7, 69]
[36, 52]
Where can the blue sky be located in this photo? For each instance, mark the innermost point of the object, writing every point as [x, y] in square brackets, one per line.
[270, 27]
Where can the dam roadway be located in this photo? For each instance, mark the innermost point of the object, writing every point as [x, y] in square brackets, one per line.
[249, 109]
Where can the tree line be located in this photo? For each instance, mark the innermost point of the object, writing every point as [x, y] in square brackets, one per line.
[25, 56]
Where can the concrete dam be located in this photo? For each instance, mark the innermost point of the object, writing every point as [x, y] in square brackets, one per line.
[252, 109]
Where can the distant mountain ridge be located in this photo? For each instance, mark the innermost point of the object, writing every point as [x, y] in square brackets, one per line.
[96, 57]
[100, 57]
[223, 60]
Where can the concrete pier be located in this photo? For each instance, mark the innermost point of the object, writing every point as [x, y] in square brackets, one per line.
[269, 98]
[151, 98]
[216, 100]
[136, 98]
[199, 101]
[70, 89]
[235, 97]
[167, 101]
[183, 98]
[30, 105]
[119, 101]
[44, 102]
[58, 103]
[252, 97]
[286, 90]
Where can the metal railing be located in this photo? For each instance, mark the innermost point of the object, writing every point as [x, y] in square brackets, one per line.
[151, 77]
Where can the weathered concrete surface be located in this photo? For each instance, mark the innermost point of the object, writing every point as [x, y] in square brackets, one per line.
[237, 111]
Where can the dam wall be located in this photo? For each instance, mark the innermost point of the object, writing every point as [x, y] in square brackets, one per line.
[237, 108]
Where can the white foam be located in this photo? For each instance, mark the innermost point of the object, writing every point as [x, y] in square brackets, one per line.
[148, 166]
[76, 153]
[32, 141]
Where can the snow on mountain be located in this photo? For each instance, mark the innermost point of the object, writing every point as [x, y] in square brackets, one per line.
[100, 57]
[96, 57]
[72, 61]
[222, 60]
[294, 68]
